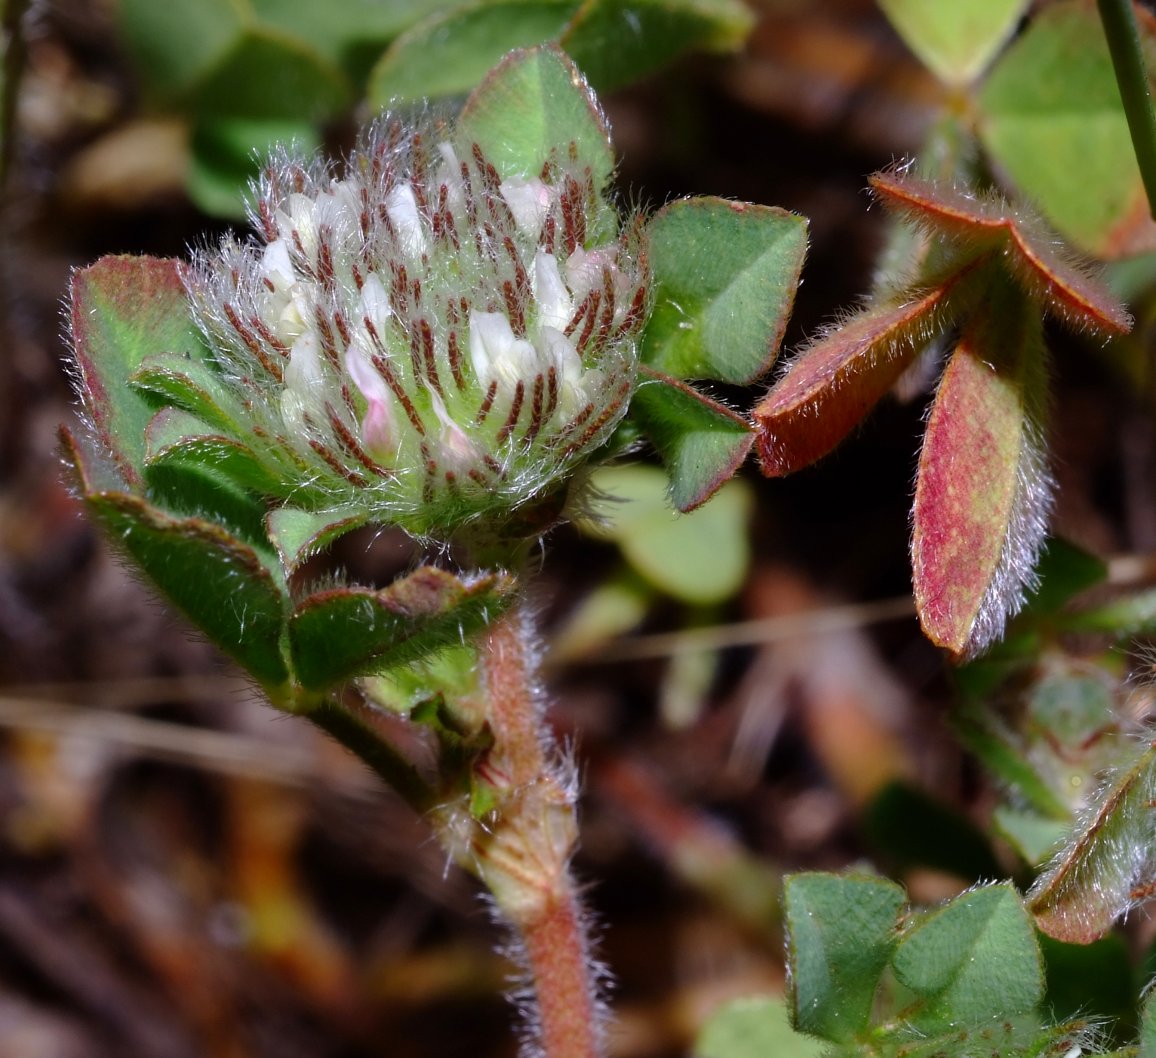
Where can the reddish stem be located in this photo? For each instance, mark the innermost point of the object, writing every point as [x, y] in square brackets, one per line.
[523, 851]
[569, 1015]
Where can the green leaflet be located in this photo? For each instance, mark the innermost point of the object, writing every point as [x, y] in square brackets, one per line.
[725, 275]
[340, 633]
[841, 931]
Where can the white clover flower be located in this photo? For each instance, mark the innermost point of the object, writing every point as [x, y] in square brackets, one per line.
[420, 338]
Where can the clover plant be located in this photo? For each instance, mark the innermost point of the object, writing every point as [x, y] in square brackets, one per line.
[445, 333]
[457, 330]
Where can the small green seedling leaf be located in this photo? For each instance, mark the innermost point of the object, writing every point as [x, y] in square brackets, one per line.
[833, 383]
[841, 931]
[700, 557]
[972, 960]
[337, 634]
[1050, 115]
[1109, 865]
[754, 1028]
[725, 275]
[122, 310]
[982, 490]
[615, 42]
[222, 585]
[701, 442]
[1037, 260]
[530, 103]
[955, 41]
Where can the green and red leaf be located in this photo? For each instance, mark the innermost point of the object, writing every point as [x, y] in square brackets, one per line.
[701, 442]
[982, 224]
[983, 492]
[833, 383]
[1109, 865]
[123, 309]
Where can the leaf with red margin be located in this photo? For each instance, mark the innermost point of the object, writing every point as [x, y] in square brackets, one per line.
[340, 633]
[701, 442]
[1037, 259]
[221, 584]
[982, 492]
[1109, 865]
[123, 309]
[833, 383]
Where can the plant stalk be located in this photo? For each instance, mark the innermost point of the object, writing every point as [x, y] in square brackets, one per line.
[522, 852]
[1119, 21]
[360, 738]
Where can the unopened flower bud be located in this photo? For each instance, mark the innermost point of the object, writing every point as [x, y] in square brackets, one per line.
[421, 339]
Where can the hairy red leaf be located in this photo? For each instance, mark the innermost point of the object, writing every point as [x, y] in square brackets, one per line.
[1038, 260]
[983, 491]
[834, 382]
[1109, 865]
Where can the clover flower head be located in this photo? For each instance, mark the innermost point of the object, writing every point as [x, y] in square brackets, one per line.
[420, 337]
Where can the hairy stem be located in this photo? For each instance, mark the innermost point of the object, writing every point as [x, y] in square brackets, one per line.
[1119, 20]
[523, 851]
[569, 1016]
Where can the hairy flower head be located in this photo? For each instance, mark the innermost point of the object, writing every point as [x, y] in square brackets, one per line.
[419, 338]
